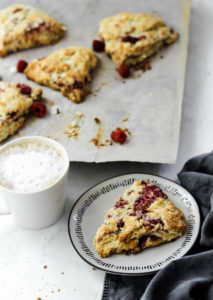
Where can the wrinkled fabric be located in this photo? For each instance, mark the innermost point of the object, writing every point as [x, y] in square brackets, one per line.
[190, 277]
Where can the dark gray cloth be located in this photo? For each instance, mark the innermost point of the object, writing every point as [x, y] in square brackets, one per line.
[190, 277]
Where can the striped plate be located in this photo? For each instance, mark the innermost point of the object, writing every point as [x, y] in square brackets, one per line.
[88, 214]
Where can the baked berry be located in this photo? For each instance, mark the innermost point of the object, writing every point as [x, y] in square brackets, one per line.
[98, 46]
[78, 85]
[38, 109]
[120, 224]
[24, 89]
[124, 71]
[121, 203]
[21, 66]
[129, 39]
[142, 37]
[119, 136]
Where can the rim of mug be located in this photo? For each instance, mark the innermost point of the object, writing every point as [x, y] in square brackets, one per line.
[47, 140]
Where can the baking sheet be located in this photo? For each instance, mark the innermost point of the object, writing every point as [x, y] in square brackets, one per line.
[148, 104]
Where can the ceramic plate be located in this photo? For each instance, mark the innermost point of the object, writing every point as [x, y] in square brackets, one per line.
[88, 214]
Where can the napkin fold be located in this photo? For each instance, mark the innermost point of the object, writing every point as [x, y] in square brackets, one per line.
[190, 277]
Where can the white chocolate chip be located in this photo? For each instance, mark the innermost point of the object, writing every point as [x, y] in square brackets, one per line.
[73, 124]
[79, 114]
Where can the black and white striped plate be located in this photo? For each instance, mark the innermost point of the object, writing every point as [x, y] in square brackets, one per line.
[88, 214]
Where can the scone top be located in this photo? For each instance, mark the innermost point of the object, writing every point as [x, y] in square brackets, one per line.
[135, 36]
[16, 99]
[68, 70]
[23, 26]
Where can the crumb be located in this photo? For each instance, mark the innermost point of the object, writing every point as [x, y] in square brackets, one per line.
[62, 273]
[59, 290]
[94, 269]
[38, 298]
[103, 83]
[161, 56]
[97, 120]
[98, 140]
[72, 131]
[126, 130]
[51, 103]
[79, 114]
[52, 291]
[126, 119]
[45, 267]
[123, 81]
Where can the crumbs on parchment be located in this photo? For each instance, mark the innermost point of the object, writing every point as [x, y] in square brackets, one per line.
[73, 129]
[99, 140]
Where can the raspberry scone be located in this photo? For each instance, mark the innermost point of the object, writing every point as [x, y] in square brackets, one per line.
[23, 26]
[131, 38]
[144, 217]
[16, 100]
[67, 70]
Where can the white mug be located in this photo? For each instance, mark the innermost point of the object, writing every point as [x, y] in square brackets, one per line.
[36, 210]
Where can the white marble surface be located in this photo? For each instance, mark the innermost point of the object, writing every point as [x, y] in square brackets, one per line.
[24, 253]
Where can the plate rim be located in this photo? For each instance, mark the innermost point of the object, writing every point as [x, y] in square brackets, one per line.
[117, 176]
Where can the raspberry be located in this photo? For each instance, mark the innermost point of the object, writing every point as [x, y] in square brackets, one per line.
[124, 71]
[119, 136]
[24, 89]
[39, 109]
[21, 66]
[98, 46]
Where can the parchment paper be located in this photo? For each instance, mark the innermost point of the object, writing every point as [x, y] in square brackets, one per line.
[151, 103]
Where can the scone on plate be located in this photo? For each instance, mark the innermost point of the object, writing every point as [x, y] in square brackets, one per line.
[23, 26]
[67, 70]
[143, 217]
[16, 100]
[131, 38]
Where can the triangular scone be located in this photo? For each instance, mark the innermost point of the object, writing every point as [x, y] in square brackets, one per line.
[68, 70]
[131, 38]
[16, 100]
[23, 26]
[143, 217]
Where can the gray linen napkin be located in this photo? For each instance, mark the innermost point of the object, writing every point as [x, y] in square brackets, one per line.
[190, 277]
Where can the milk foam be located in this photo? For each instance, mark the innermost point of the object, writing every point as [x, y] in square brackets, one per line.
[30, 166]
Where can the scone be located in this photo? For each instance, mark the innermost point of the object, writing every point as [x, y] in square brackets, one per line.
[23, 26]
[143, 217]
[68, 70]
[16, 100]
[131, 38]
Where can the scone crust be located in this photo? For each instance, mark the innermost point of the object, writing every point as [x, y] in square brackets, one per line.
[128, 231]
[152, 34]
[14, 107]
[23, 26]
[67, 70]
